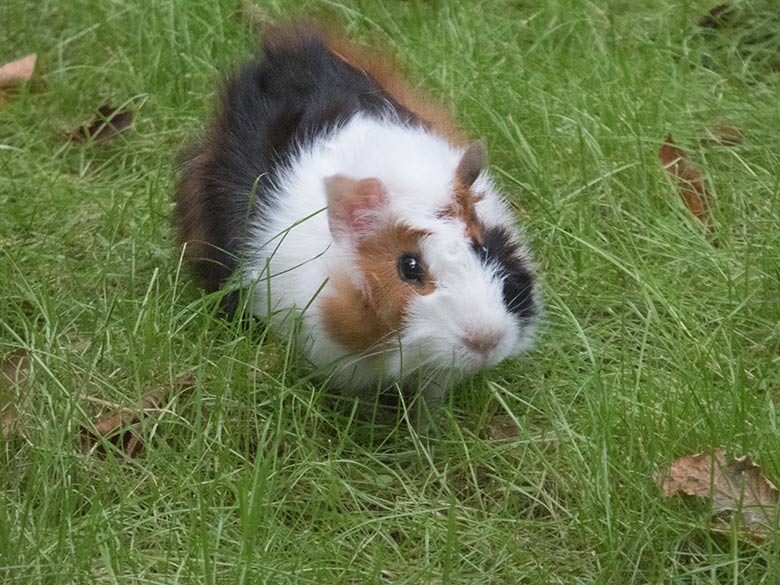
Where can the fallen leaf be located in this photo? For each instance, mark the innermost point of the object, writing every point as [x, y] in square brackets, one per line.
[689, 179]
[16, 367]
[15, 386]
[122, 427]
[723, 135]
[717, 17]
[732, 486]
[17, 72]
[109, 123]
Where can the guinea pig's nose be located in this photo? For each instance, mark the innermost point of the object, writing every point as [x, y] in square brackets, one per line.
[482, 342]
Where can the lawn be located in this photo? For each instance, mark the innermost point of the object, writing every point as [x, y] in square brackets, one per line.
[660, 339]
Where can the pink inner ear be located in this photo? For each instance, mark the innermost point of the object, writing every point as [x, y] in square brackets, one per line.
[352, 205]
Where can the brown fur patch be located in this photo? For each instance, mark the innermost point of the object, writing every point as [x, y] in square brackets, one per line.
[380, 65]
[190, 217]
[464, 208]
[364, 318]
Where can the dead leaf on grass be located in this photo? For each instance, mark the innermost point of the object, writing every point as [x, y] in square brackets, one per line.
[109, 123]
[717, 17]
[122, 426]
[733, 486]
[17, 72]
[14, 390]
[723, 135]
[690, 182]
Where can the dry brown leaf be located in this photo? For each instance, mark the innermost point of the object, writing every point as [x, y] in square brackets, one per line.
[717, 17]
[689, 179]
[10, 423]
[724, 135]
[17, 72]
[16, 367]
[14, 383]
[732, 485]
[122, 428]
[109, 123]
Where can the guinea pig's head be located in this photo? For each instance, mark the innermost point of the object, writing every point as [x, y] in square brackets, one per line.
[429, 281]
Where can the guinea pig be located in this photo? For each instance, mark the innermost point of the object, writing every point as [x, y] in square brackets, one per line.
[358, 220]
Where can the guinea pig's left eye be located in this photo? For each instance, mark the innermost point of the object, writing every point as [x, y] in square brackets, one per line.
[411, 270]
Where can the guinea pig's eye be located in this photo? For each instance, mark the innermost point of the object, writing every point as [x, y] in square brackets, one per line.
[411, 270]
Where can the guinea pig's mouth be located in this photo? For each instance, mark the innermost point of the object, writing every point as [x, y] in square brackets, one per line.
[467, 361]
[470, 354]
[480, 361]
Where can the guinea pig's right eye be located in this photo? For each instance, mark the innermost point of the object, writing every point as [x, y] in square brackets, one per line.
[411, 270]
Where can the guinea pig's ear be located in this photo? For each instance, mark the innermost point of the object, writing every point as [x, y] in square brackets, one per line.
[353, 205]
[471, 164]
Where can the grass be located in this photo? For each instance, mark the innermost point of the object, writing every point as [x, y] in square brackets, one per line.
[657, 343]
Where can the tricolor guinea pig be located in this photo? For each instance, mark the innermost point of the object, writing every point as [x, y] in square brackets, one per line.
[354, 213]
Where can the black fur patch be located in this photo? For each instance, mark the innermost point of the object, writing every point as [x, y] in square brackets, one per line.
[499, 249]
[271, 107]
